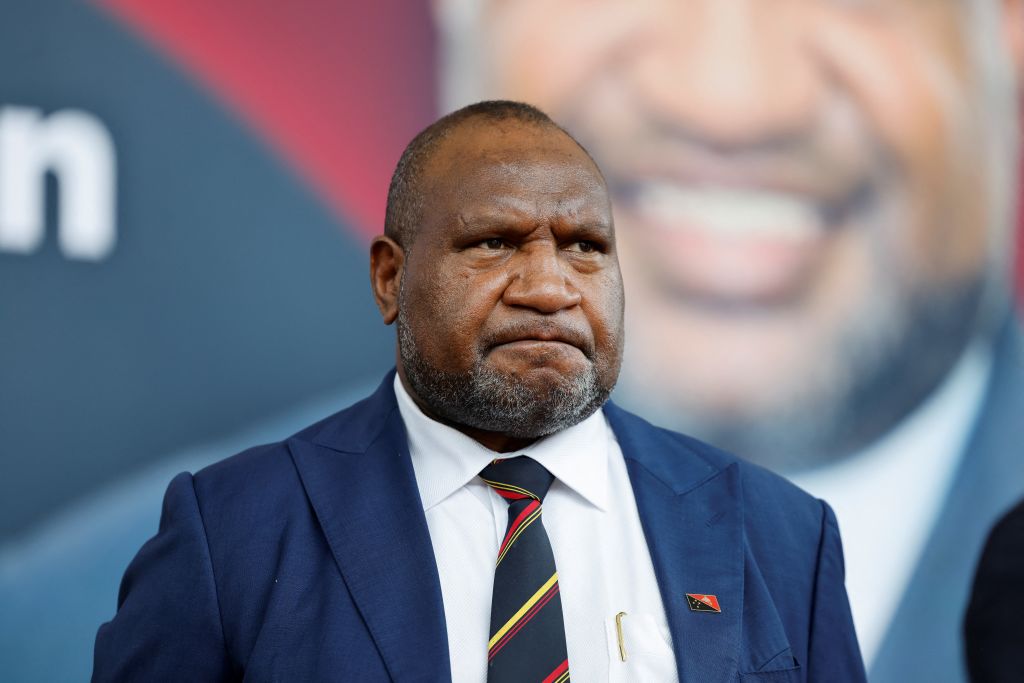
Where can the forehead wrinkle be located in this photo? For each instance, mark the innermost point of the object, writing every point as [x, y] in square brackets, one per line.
[565, 189]
[521, 164]
[500, 211]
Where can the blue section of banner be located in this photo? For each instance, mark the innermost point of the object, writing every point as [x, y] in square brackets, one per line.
[229, 294]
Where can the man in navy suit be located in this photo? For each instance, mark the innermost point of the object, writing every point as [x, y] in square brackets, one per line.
[363, 548]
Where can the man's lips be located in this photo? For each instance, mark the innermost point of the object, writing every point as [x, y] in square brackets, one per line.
[733, 244]
[541, 345]
[540, 336]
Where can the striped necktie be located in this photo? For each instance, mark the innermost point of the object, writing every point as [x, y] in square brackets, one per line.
[527, 640]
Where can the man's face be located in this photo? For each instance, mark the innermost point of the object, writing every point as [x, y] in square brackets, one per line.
[510, 312]
[803, 192]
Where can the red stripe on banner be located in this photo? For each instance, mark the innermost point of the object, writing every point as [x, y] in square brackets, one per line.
[338, 88]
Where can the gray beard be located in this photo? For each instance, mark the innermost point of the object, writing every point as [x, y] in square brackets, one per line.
[495, 402]
[890, 367]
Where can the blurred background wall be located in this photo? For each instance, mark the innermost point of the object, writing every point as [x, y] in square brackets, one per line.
[816, 206]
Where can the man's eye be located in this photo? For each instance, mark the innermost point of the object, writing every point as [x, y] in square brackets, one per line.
[492, 243]
[584, 247]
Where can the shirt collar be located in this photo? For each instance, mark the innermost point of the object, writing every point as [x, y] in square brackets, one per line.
[445, 459]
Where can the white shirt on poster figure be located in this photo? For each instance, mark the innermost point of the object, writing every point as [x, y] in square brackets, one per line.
[888, 496]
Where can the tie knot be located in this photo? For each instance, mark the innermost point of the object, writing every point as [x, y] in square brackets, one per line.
[518, 478]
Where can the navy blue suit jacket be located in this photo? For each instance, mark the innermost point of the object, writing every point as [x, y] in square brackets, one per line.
[310, 560]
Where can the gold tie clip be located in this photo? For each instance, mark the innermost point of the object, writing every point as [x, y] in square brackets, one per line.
[618, 631]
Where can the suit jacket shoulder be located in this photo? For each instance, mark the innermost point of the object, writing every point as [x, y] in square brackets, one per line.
[261, 485]
[270, 564]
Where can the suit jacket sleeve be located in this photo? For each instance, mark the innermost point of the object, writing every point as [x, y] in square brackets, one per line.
[833, 651]
[168, 624]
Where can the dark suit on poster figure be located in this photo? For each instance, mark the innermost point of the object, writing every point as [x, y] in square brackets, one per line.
[310, 560]
[993, 626]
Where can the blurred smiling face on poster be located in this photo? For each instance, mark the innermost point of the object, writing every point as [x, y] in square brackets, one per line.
[814, 197]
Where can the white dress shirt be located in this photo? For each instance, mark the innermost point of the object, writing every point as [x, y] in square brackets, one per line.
[888, 496]
[604, 566]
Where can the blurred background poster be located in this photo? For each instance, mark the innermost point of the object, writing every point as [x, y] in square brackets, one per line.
[816, 205]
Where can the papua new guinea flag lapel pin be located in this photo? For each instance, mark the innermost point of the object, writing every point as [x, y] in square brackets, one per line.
[699, 602]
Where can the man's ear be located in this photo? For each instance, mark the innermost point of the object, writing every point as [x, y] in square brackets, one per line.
[387, 260]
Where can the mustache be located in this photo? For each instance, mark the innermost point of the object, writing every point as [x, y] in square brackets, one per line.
[565, 331]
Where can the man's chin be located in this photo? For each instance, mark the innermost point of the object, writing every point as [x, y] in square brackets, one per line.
[540, 400]
[529, 405]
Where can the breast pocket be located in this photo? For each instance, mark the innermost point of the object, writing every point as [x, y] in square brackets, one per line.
[782, 668]
[646, 648]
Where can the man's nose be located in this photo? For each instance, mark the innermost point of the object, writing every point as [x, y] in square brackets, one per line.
[541, 280]
[729, 72]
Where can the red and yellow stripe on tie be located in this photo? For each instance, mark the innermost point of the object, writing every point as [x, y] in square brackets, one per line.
[528, 516]
[525, 613]
[559, 675]
[509, 491]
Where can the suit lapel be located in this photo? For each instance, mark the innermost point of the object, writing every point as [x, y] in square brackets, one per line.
[359, 478]
[693, 520]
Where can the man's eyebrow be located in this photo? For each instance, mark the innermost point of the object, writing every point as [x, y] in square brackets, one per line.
[596, 226]
[485, 222]
[479, 221]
